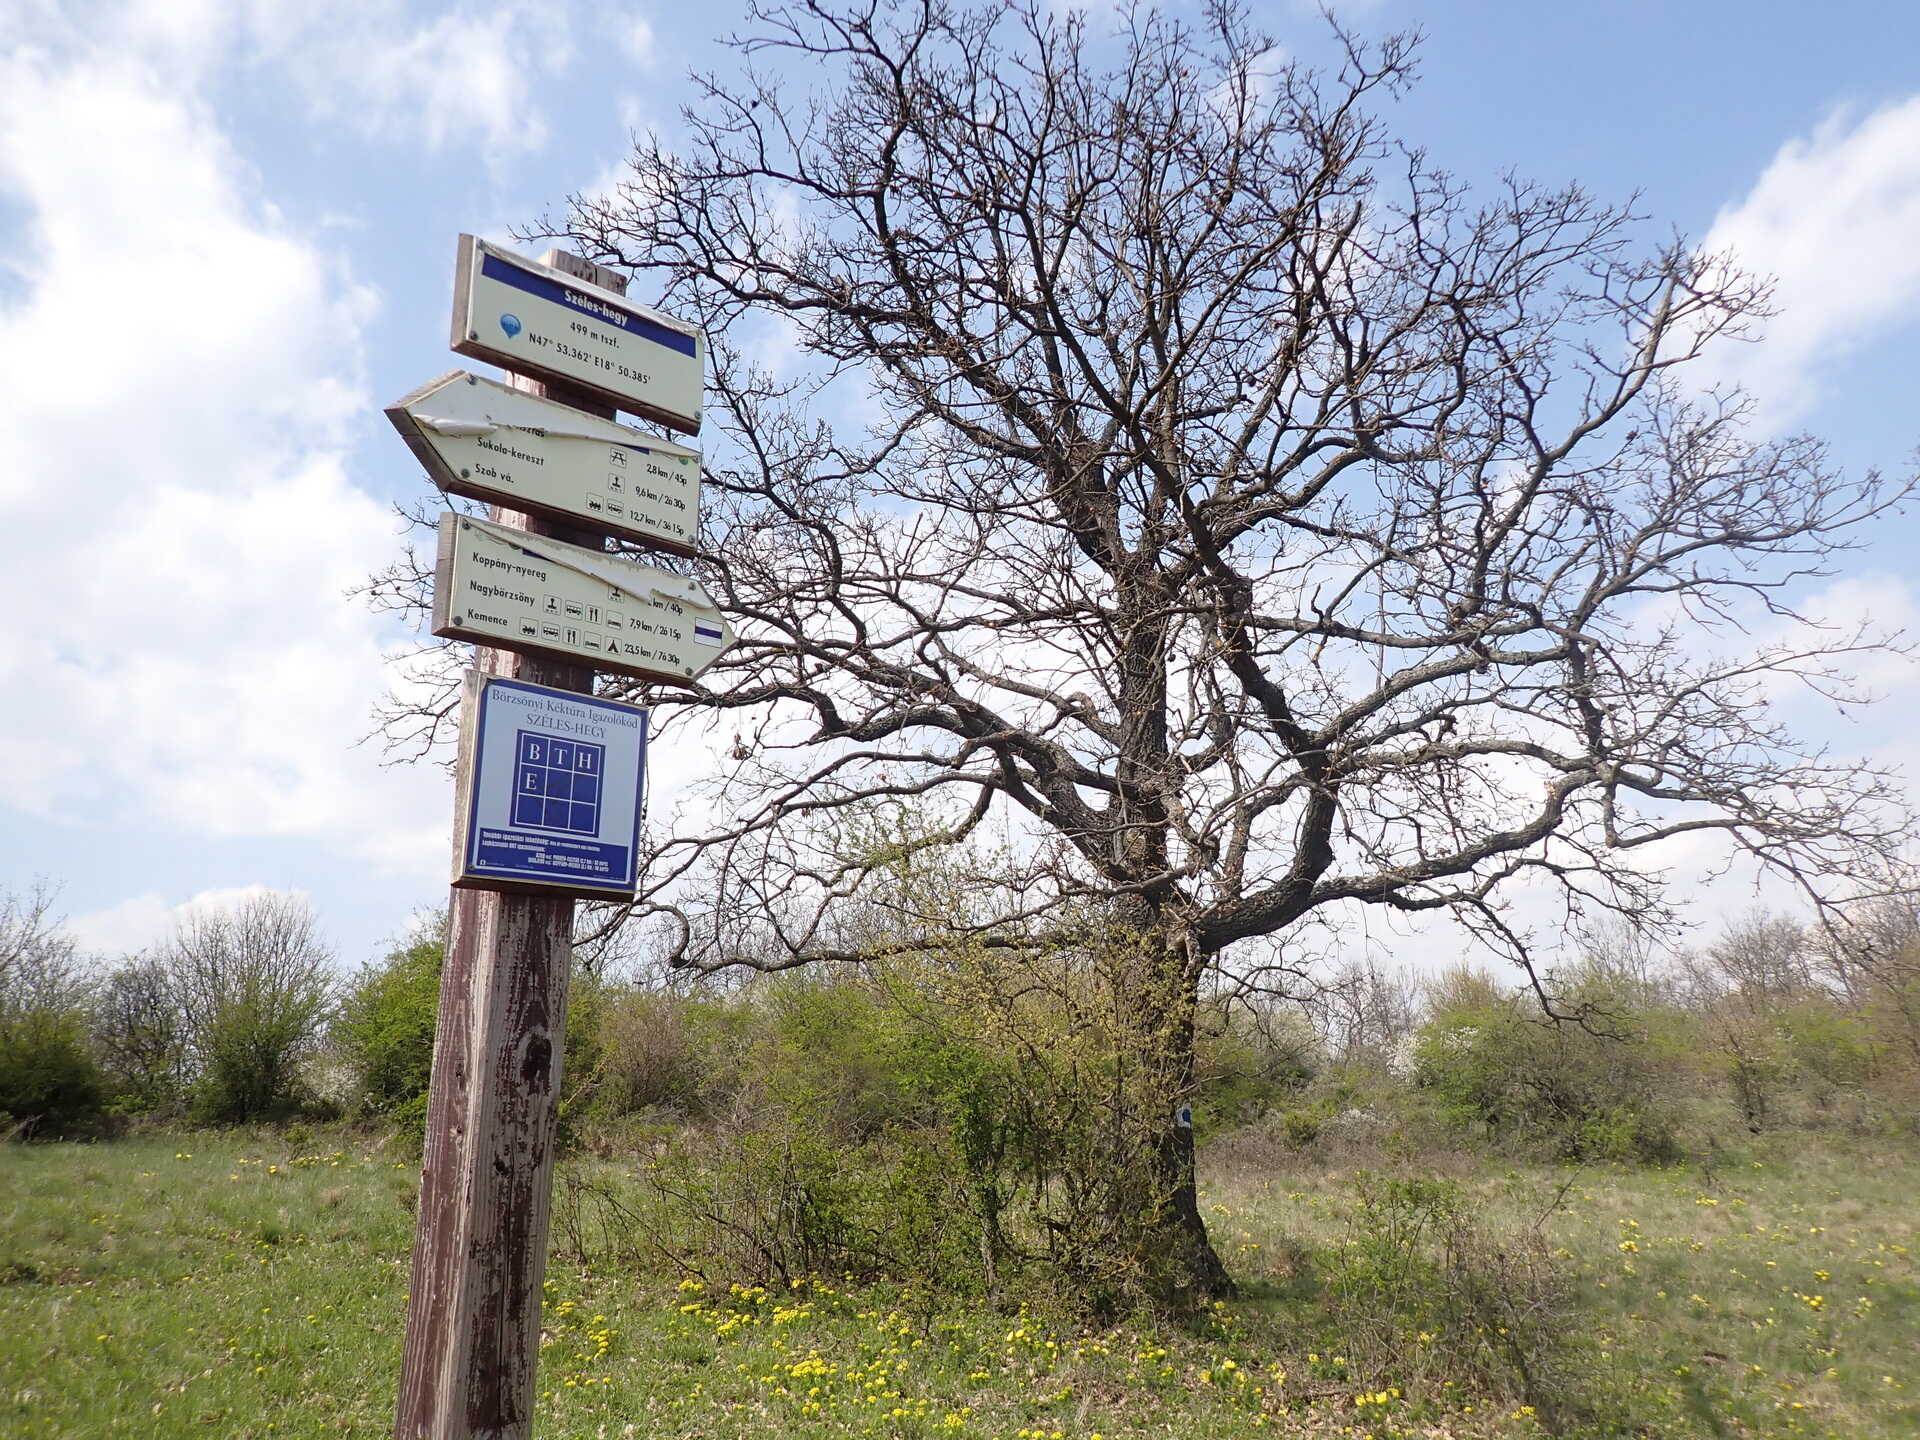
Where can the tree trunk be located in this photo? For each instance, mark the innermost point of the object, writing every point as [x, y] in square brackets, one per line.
[1187, 1255]
[1178, 1249]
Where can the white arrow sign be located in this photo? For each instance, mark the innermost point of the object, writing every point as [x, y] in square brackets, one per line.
[535, 320]
[480, 439]
[498, 586]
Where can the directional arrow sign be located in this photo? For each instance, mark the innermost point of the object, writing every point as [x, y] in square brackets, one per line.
[480, 439]
[535, 320]
[498, 586]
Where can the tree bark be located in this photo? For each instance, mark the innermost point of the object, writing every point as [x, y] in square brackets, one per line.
[1196, 1267]
[1178, 1247]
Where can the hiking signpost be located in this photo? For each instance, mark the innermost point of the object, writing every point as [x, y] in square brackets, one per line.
[549, 783]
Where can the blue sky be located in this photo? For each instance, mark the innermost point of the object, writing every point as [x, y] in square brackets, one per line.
[226, 240]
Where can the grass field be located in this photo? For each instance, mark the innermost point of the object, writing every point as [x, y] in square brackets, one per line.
[231, 1285]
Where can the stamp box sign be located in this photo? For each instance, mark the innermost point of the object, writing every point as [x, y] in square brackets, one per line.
[489, 442]
[535, 320]
[494, 585]
[550, 790]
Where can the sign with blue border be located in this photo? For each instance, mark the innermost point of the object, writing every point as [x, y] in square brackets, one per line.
[550, 790]
[536, 320]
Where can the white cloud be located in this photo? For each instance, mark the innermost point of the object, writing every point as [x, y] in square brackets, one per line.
[637, 40]
[372, 67]
[1885, 605]
[147, 278]
[1834, 217]
[182, 371]
[144, 920]
[460, 75]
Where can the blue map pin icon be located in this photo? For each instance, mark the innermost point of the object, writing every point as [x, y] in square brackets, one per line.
[510, 324]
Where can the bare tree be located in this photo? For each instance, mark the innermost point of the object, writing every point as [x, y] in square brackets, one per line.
[1765, 958]
[48, 1080]
[41, 968]
[139, 1029]
[1367, 1016]
[1873, 958]
[1739, 988]
[255, 983]
[1242, 518]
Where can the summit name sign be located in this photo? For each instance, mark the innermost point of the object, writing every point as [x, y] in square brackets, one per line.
[536, 320]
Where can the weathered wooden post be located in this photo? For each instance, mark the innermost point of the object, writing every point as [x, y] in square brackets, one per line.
[547, 613]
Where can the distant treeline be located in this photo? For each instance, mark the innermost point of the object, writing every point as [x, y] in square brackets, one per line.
[971, 1114]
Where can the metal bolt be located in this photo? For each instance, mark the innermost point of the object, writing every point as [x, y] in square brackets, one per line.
[466, 474]
[473, 334]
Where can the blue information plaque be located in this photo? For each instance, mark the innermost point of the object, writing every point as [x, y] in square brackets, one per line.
[550, 790]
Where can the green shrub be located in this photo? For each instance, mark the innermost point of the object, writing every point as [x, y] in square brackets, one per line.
[139, 1034]
[1831, 1046]
[1301, 1127]
[1252, 1058]
[659, 1050]
[50, 1085]
[384, 1031]
[1599, 1090]
[249, 1055]
[774, 1199]
[959, 1117]
[255, 984]
[843, 1050]
[1388, 1275]
[1420, 1291]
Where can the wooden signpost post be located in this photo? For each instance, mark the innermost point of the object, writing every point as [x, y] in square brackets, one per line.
[480, 1248]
